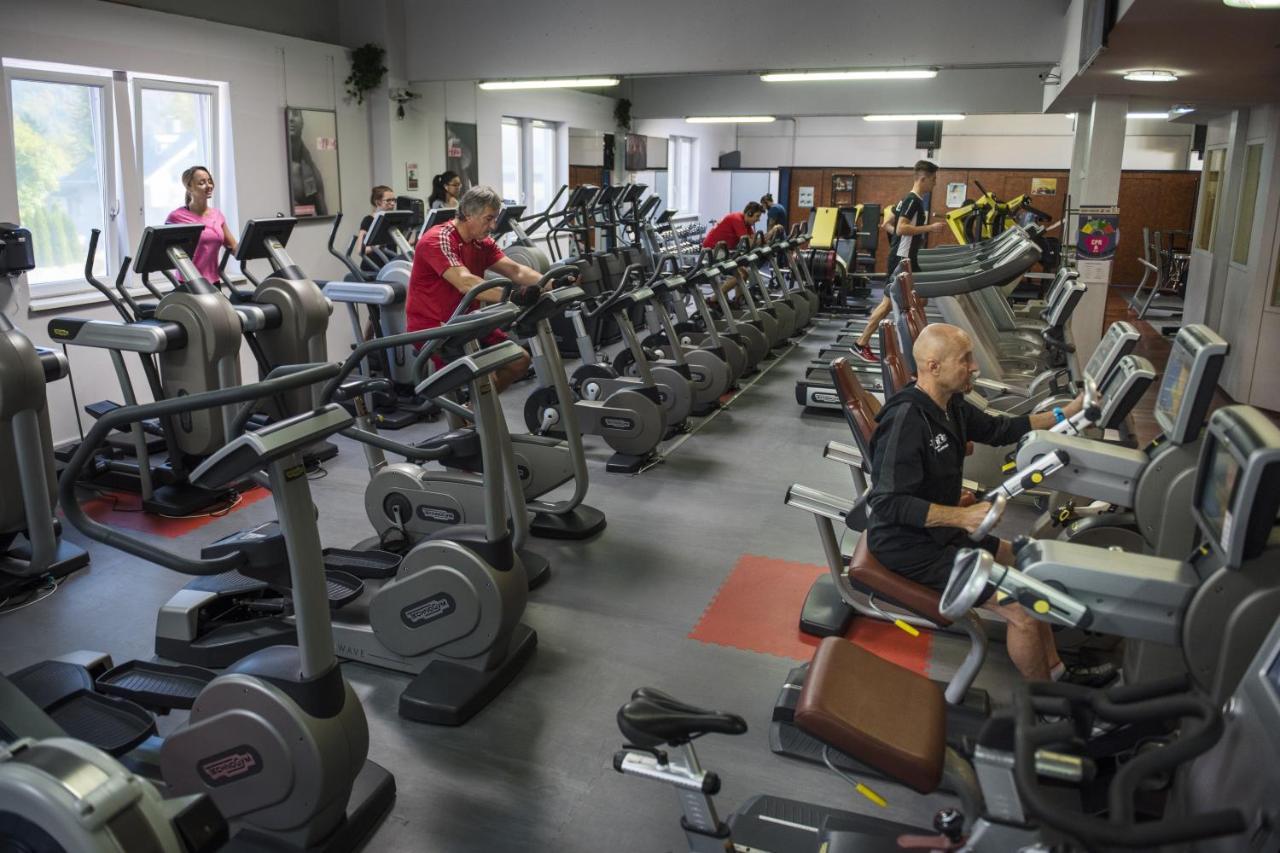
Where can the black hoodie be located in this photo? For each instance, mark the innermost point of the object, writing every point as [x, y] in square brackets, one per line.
[917, 459]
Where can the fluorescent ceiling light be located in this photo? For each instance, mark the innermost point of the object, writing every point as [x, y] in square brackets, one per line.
[1253, 4]
[1146, 115]
[922, 117]
[571, 83]
[728, 119]
[1151, 75]
[811, 76]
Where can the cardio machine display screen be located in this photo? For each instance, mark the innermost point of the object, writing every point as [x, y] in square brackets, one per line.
[1218, 492]
[1100, 355]
[1176, 376]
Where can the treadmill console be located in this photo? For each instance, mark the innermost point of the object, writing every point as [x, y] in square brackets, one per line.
[1195, 363]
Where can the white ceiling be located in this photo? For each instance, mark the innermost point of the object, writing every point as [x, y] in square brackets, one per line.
[1223, 56]
[486, 39]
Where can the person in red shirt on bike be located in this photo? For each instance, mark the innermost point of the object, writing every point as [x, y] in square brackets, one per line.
[450, 259]
[730, 230]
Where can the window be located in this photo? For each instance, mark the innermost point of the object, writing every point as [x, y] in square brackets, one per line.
[76, 173]
[1248, 199]
[529, 170]
[175, 130]
[512, 160]
[1211, 180]
[683, 194]
[61, 140]
[543, 169]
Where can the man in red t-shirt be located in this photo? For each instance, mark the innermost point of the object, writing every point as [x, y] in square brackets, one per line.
[452, 258]
[730, 230]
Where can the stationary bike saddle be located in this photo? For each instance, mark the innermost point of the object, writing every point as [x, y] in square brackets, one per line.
[653, 717]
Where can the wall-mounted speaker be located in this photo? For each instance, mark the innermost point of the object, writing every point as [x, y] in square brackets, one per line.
[1198, 138]
[608, 151]
[732, 160]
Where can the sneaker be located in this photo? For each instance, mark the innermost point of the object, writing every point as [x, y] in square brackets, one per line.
[865, 353]
[1100, 675]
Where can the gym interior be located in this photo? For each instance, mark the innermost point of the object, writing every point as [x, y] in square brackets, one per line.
[562, 427]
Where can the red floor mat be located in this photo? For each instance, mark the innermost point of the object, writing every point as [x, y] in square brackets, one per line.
[125, 510]
[758, 609]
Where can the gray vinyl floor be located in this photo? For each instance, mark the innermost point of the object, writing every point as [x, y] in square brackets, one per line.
[533, 772]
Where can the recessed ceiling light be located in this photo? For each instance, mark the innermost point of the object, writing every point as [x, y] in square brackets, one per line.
[1253, 4]
[1151, 75]
[728, 119]
[812, 76]
[569, 83]
[1147, 115]
[914, 117]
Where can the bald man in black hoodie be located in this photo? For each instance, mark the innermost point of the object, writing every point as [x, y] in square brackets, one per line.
[914, 520]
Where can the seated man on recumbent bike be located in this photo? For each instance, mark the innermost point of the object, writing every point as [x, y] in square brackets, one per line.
[915, 520]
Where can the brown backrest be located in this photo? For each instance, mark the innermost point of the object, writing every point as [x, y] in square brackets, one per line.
[868, 572]
[859, 406]
[893, 367]
[916, 319]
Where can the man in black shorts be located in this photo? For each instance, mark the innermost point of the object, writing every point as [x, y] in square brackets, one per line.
[914, 517]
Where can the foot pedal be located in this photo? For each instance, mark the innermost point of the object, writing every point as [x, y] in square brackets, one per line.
[50, 681]
[114, 726]
[160, 687]
[343, 588]
[370, 564]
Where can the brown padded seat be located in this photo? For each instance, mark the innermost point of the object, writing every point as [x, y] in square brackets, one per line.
[866, 571]
[890, 718]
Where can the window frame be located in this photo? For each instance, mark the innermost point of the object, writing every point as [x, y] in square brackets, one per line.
[111, 244]
[140, 82]
[682, 183]
[524, 139]
[1247, 203]
[1207, 217]
[512, 121]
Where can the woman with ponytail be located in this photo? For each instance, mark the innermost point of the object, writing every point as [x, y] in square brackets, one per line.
[445, 188]
[198, 181]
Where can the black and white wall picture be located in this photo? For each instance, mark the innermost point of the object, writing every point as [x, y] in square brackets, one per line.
[313, 162]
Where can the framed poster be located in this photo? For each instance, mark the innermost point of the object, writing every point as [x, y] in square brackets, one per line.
[312, 150]
[1044, 186]
[1097, 233]
[804, 197]
[460, 153]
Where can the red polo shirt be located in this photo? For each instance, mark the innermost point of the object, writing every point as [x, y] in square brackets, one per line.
[731, 229]
[431, 299]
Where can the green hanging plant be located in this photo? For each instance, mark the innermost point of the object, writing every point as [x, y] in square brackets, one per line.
[367, 71]
[622, 113]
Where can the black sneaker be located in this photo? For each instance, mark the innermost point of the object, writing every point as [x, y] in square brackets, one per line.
[1100, 675]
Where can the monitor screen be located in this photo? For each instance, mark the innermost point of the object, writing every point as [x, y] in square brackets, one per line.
[1218, 491]
[1101, 355]
[1176, 375]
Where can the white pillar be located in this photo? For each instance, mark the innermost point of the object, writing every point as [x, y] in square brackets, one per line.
[1099, 185]
[1075, 182]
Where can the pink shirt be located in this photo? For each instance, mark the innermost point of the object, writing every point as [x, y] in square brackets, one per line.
[206, 254]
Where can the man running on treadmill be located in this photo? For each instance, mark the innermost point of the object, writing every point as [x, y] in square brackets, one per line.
[909, 233]
[915, 519]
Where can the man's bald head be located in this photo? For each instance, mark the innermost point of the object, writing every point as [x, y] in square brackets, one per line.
[944, 359]
[938, 342]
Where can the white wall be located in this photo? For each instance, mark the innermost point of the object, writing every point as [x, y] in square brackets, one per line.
[980, 141]
[264, 72]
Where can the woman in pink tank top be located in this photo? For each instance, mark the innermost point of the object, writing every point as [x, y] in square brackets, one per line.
[199, 183]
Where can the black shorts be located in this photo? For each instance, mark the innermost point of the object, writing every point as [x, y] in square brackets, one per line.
[935, 573]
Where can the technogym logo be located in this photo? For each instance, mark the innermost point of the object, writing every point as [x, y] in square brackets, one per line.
[428, 610]
[618, 423]
[825, 398]
[441, 514]
[229, 766]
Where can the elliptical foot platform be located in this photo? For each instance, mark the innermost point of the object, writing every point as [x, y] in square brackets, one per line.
[536, 567]
[581, 522]
[626, 463]
[449, 694]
